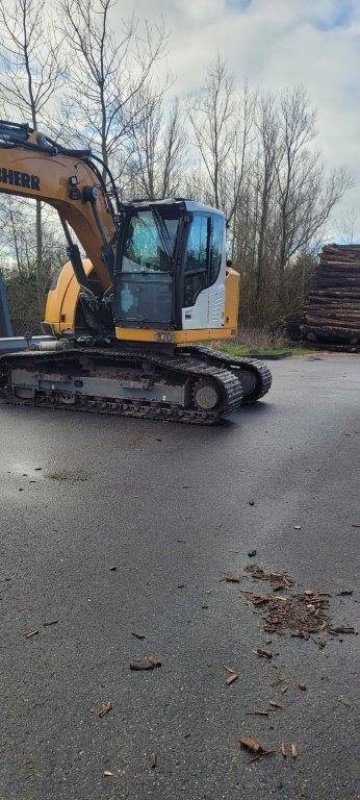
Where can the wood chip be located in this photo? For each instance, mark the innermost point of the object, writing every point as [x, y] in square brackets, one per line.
[256, 713]
[231, 678]
[263, 653]
[346, 593]
[108, 774]
[153, 760]
[155, 661]
[274, 705]
[283, 749]
[138, 635]
[342, 629]
[251, 744]
[51, 622]
[232, 578]
[302, 687]
[294, 751]
[255, 747]
[142, 664]
[30, 634]
[284, 689]
[104, 709]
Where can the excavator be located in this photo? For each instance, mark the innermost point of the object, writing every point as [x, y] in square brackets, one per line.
[121, 324]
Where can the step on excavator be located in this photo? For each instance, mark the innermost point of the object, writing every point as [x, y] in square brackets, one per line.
[121, 324]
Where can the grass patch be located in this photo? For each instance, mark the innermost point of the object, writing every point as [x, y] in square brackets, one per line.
[270, 351]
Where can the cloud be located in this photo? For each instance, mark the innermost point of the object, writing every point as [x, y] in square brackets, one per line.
[276, 43]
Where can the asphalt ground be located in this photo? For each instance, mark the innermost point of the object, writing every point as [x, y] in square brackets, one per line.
[111, 527]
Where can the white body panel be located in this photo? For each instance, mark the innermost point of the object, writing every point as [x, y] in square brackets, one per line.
[208, 310]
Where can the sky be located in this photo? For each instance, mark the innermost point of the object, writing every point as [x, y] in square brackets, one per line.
[276, 44]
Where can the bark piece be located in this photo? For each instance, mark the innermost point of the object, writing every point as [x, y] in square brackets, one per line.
[294, 751]
[263, 653]
[138, 635]
[104, 709]
[251, 744]
[150, 662]
[231, 678]
[153, 760]
[30, 634]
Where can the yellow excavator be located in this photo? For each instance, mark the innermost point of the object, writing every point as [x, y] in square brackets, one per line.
[120, 325]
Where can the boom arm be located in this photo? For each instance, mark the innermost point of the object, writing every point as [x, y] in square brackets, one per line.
[33, 166]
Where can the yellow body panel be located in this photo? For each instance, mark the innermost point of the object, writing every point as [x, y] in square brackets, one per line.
[172, 337]
[62, 301]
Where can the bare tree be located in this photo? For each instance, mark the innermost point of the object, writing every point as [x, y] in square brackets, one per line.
[108, 75]
[265, 175]
[32, 72]
[159, 145]
[221, 127]
[305, 195]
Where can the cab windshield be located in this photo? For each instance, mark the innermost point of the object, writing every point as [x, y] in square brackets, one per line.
[150, 243]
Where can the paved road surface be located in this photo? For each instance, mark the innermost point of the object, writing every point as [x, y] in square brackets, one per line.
[168, 507]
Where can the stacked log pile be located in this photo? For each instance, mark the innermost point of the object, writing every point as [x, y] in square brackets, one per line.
[332, 313]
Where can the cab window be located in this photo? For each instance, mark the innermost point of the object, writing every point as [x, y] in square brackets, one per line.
[196, 263]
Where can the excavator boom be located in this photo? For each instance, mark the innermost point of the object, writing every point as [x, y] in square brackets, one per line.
[32, 166]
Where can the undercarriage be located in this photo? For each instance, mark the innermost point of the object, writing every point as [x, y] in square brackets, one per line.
[192, 384]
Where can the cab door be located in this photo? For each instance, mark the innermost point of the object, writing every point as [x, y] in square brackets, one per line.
[204, 273]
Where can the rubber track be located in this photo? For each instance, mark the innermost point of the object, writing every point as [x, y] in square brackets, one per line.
[264, 376]
[230, 385]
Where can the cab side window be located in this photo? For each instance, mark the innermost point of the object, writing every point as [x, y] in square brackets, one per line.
[196, 264]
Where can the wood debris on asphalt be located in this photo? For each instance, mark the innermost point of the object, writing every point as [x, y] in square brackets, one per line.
[341, 629]
[30, 634]
[255, 747]
[138, 635]
[108, 774]
[150, 662]
[232, 578]
[153, 760]
[279, 579]
[104, 709]
[232, 675]
[256, 713]
[300, 614]
[294, 751]
[260, 651]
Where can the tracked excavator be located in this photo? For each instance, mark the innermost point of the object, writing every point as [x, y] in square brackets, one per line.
[121, 325]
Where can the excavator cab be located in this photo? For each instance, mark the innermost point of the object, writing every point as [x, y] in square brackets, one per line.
[170, 272]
